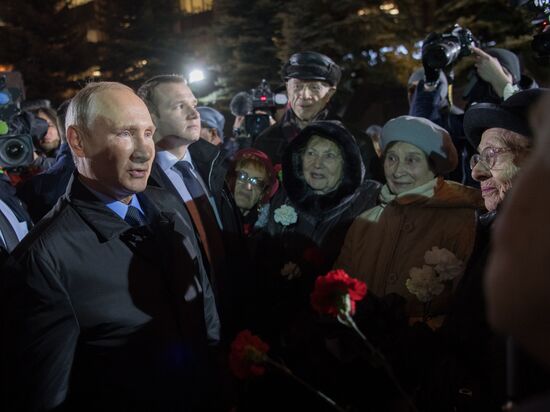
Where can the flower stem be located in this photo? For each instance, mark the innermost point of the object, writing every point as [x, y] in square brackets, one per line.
[306, 385]
[346, 319]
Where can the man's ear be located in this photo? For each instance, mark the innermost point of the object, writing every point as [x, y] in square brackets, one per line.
[331, 92]
[75, 141]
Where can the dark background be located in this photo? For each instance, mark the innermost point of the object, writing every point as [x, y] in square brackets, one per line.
[59, 45]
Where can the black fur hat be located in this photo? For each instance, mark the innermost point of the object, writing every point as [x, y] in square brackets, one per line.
[298, 191]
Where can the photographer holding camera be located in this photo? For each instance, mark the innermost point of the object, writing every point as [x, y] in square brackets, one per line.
[497, 76]
[253, 113]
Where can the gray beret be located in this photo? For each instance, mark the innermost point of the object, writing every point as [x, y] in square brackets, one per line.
[432, 139]
[212, 119]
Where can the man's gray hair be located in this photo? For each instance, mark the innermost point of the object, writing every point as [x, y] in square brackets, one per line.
[79, 112]
[147, 89]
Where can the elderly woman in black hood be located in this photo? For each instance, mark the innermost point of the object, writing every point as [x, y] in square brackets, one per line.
[323, 191]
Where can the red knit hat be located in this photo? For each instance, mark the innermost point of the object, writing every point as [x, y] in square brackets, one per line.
[264, 159]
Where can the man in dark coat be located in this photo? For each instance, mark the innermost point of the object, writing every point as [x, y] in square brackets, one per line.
[106, 305]
[194, 171]
[311, 80]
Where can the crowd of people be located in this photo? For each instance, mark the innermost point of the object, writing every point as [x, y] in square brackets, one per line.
[141, 241]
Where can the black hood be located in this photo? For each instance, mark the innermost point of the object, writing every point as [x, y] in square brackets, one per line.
[298, 191]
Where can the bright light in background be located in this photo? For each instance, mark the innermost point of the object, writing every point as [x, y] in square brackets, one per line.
[401, 50]
[196, 76]
[390, 8]
[417, 52]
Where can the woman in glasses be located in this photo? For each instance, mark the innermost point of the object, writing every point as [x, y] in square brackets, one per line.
[254, 182]
[472, 366]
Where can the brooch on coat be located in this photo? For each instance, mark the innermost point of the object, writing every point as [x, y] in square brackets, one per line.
[285, 215]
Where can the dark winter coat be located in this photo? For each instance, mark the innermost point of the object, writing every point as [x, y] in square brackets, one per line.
[314, 241]
[210, 163]
[290, 258]
[98, 314]
[275, 140]
[323, 219]
[212, 167]
[41, 192]
[470, 371]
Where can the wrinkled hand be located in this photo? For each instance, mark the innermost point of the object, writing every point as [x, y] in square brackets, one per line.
[490, 70]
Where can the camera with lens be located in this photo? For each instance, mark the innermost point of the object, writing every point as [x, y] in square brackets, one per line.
[441, 50]
[541, 39]
[18, 129]
[256, 107]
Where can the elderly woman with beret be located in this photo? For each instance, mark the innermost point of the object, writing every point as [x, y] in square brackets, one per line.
[418, 210]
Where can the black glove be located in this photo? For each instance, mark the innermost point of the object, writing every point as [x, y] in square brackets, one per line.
[431, 75]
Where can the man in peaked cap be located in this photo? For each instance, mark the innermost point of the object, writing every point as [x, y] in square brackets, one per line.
[311, 80]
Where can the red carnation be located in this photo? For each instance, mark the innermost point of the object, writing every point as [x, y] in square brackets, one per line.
[248, 353]
[336, 293]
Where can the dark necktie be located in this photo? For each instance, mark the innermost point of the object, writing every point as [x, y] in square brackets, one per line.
[191, 182]
[8, 233]
[134, 217]
[208, 228]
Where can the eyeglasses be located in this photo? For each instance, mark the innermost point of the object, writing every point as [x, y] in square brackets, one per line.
[254, 181]
[488, 156]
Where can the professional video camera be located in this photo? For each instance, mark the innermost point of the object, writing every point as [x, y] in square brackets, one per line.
[442, 50]
[17, 129]
[541, 11]
[256, 107]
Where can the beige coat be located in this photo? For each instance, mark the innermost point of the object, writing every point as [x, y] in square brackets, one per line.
[385, 242]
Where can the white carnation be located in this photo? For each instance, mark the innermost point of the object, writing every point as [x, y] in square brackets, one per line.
[424, 283]
[446, 264]
[285, 215]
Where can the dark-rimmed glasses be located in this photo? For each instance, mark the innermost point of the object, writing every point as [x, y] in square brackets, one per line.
[488, 156]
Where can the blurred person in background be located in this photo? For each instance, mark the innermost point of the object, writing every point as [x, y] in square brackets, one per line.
[212, 124]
